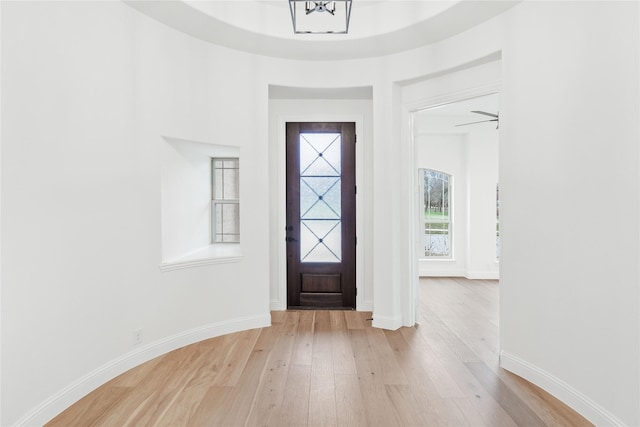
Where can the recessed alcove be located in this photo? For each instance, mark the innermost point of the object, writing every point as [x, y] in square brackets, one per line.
[185, 184]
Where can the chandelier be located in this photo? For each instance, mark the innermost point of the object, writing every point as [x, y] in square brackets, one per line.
[320, 17]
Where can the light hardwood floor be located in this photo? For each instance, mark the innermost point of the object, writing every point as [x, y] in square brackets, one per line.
[331, 368]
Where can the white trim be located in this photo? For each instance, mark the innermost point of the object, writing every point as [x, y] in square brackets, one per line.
[0, 227]
[366, 305]
[387, 322]
[64, 398]
[411, 311]
[561, 390]
[482, 275]
[274, 305]
[179, 265]
[451, 97]
[425, 271]
[221, 253]
[444, 273]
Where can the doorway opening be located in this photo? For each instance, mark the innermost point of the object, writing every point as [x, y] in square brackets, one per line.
[321, 215]
[456, 207]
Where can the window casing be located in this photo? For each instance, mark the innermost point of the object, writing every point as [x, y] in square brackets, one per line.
[225, 200]
[436, 213]
[498, 241]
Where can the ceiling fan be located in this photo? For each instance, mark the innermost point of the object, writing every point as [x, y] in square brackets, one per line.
[495, 118]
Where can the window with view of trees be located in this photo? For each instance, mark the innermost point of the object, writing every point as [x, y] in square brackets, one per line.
[437, 220]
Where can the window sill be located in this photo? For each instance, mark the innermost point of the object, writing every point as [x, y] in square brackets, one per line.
[210, 255]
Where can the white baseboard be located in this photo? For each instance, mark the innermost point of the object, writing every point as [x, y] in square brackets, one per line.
[386, 322]
[66, 397]
[482, 275]
[424, 272]
[563, 391]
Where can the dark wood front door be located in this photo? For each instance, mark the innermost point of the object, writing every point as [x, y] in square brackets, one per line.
[321, 212]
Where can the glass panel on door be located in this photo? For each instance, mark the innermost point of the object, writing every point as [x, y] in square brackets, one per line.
[320, 197]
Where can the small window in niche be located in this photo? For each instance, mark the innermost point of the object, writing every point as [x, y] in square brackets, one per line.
[225, 200]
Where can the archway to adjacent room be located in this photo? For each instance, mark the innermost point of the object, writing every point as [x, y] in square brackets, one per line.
[454, 147]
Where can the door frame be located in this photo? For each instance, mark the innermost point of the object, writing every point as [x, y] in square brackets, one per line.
[411, 304]
[363, 302]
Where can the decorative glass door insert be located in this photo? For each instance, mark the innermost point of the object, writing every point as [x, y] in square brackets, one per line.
[320, 197]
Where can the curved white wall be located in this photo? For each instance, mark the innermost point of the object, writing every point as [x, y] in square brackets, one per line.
[89, 89]
[570, 293]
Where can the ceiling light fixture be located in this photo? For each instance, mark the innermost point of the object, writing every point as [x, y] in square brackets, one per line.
[320, 17]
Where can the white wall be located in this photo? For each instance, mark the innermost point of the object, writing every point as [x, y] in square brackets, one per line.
[482, 177]
[88, 91]
[88, 88]
[570, 291]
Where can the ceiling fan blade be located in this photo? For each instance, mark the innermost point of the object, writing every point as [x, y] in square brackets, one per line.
[486, 114]
[473, 123]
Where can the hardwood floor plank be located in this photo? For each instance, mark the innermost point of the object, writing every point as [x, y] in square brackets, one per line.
[322, 393]
[407, 409]
[303, 347]
[236, 358]
[134, 376]
[483, 411]
[357, 319]
[350, 410]
[390, 370]
[512, 404]
[166, 397]
[342, 352]
[548, 408]
[295, 402]
[241, 397]
[330, 368]
[211, 409]
[138, 408]
[367, 365]
[378, 406]
[448, 414]
[185, 404]
[265, 408]
[92, 406]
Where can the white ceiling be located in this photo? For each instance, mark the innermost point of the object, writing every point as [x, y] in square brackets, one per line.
[377, 27]
[447, 117]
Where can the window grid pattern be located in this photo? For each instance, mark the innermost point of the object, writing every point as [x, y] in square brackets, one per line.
[320, 197]
[436, 214]
[225, 200]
